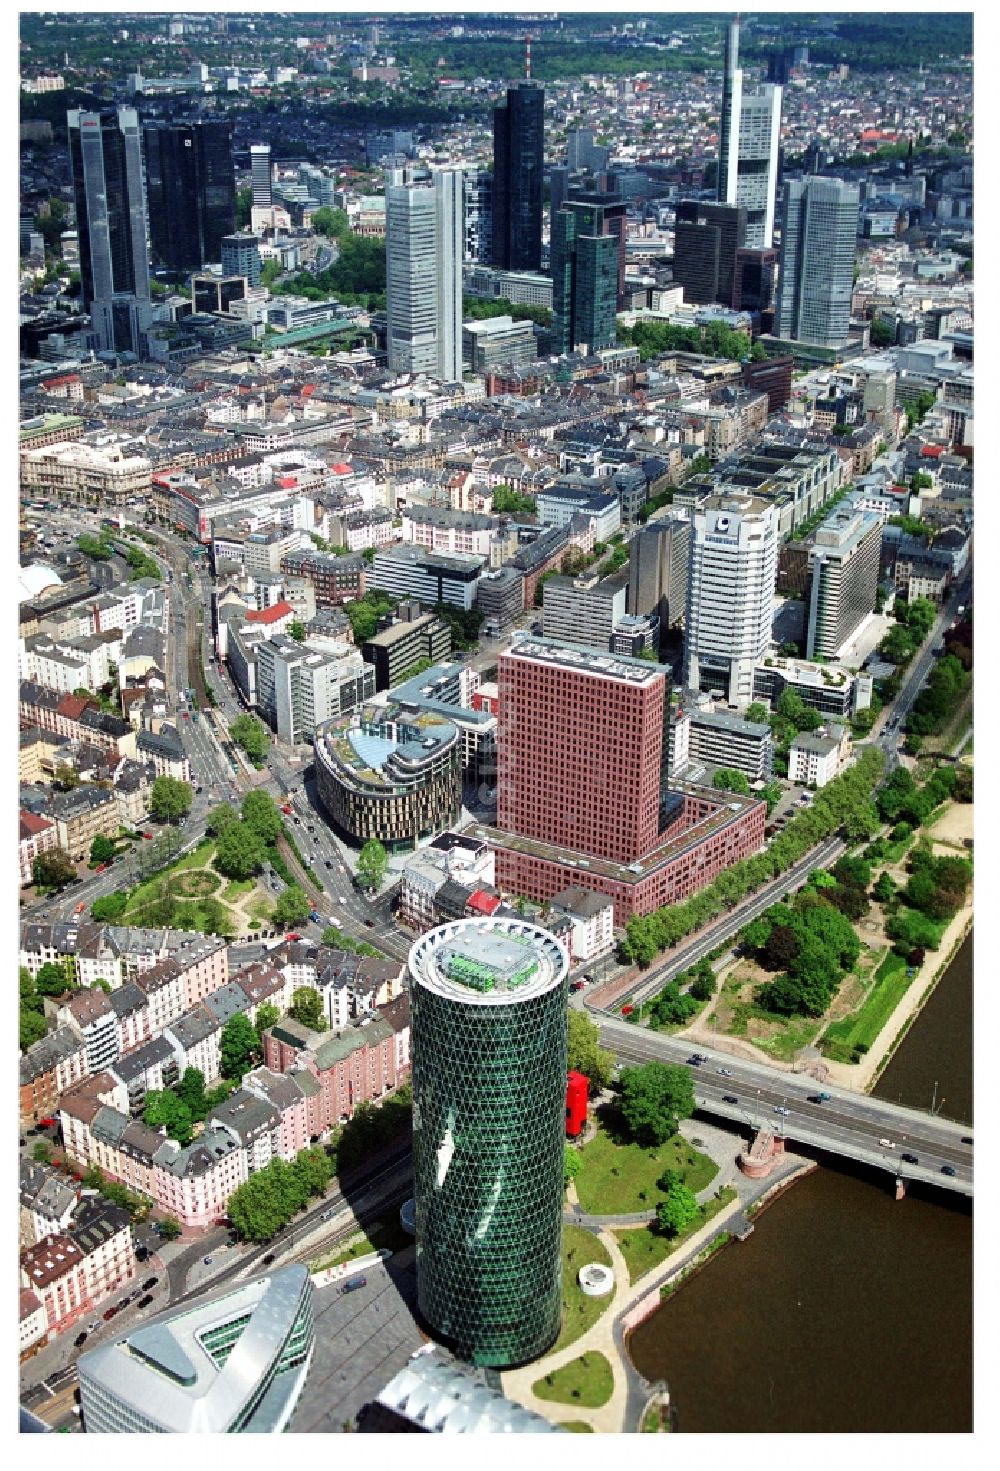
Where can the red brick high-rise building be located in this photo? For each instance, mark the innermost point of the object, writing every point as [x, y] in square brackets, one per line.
[582, 794]
[580, 749]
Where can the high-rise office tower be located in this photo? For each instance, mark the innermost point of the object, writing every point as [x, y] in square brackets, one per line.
[106, 160]
[488, 1002]
[729, 119]
[755, 280]
[241, 257]
[558, 190]
[749, 135]
[732, 569]
[658, 567]
[518, 164]
[706, 240]
[190, 190]
[844, 579]
[584, 279]
[477, 203]
[583, 153]
[260, 174]
[424, 276]
[819, 226]
[580, 749]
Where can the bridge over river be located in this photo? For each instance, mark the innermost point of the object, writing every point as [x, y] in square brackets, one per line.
[909, 1143]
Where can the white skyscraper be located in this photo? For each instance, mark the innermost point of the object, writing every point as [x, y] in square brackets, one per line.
[749, 135]
[730, 594]
[424, 277]
[260, 174]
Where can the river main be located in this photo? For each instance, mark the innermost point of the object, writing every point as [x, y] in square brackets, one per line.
[845, 1310]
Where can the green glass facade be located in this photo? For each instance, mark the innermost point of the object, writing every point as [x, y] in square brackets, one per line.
[489, 1091]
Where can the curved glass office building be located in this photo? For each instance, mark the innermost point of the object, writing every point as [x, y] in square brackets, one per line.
[488, 1002]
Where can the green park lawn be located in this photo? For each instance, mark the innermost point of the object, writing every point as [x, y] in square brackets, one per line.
[861, 1028]
[619, 1179]
[577, 1427]
[579, 1312]
[644, 1247]
[586, 1381]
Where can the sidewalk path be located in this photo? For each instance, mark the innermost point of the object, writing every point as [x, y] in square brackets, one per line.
[607, 1336]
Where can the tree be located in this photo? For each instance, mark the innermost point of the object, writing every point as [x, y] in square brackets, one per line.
[170, 799]
[702, 988]
[170, 1228]
[584, 1053]
[238, 851]
[41, 1152]
[677, 1212]
[885, 888]
[31, 1027]
[111, 907]
[780, 948]
[653, 1098]
[729, 780]
[52, 980]
[572, 1163]
[219, 819]
[756, 713]
[307, 1008]
[332, 223]
[314, 1169]
[505, 498]
[372, 864]
[239, 1047]
[164, 1108]
[191, 1091]
[853, 871]
[261, 816]
[861, 823]
[267, 1015]
[297, 630]
[102, 849]
[252, 736]
[52, 870]
[291, 906]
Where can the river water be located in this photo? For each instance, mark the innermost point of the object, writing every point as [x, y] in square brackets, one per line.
[845, 1310]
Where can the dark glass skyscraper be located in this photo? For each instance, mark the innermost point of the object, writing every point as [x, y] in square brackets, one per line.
[489, 1107]
[106, 160]
[584, 256]
[191, 191]
[518, 164]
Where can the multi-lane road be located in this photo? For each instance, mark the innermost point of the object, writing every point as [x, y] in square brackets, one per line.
[912, 1144]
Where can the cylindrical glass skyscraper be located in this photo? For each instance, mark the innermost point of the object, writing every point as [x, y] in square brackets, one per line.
[488, 1002]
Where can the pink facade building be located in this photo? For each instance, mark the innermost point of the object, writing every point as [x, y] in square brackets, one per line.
[54, 1270]
[355, 1066]
[204, 967]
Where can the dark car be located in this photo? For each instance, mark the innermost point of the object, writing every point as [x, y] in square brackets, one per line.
[79, 1340]
[328, 862]
[109, 1314]
[145, 1300]
[354, 1283]
[124, 1303]
[267, 1260]
[966, 1138]
[694, 1060]
[947, 1169]
[911, 1159]
[141, 1254]
[577, 986]
[729, 1098]
[149, 1283]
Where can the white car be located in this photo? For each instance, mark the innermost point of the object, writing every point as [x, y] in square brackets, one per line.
[779, 1108]
[887, 1144]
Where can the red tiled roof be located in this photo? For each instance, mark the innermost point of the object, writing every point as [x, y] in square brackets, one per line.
[72, 706]
[271, 615]
[342, 469]
[931, 451]
[31, 825]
